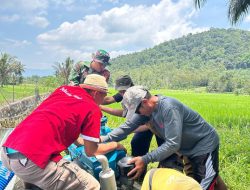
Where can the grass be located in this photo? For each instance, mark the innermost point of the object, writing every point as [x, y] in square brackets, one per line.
[20, 92]
[230, 115]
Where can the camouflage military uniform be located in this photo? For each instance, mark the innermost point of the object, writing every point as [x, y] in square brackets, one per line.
[81, 69]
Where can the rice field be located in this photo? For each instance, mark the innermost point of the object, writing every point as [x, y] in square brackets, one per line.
[8, 94]
[230, 115]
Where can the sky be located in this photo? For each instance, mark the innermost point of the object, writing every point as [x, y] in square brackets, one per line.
[41, 33]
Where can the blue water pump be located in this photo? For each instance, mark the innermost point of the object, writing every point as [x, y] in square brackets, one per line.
[90, 164]
[5, 176]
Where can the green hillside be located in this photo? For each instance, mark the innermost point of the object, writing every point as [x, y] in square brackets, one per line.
[217, 59]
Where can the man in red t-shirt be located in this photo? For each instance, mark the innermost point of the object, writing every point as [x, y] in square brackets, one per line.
[33, 149]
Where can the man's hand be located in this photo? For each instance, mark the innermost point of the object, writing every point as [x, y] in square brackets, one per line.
[79, 141]
[71, 83]
[139, 167]
[121, 147]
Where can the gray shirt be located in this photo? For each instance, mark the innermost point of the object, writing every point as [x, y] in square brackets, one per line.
[182, 129]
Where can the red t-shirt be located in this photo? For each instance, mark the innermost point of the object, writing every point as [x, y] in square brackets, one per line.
[56, 124]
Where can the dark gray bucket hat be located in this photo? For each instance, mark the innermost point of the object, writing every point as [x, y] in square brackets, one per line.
[123, 82]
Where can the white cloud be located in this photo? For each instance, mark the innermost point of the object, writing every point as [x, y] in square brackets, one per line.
[11, 18]
[119, 52]
[122, 29]
[39, 21]
[23, 5]
[69, 5]
[112, 1]
[247, 19]
[12, 43]
[64, 3]
[32, 12]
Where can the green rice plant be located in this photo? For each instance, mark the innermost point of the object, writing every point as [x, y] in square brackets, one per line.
[20, 92]
[235, 157]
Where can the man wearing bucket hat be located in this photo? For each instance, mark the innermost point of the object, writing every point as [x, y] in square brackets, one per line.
[100, 60]
[32, 150]
[184, 131]
[122, 83]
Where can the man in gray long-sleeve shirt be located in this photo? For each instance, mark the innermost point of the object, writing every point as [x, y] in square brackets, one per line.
[183, 130]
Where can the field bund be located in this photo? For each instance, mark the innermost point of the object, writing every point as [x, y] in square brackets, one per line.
[12, 114]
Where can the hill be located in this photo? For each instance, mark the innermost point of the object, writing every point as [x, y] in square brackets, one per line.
[217, 59]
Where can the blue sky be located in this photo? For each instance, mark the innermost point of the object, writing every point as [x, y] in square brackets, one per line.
[42, 32]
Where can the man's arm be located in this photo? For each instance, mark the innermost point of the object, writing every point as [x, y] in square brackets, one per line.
[112, 99]
[142, 128]
[112, 111]
[125, 129]
[93, 148]
[108, 100]
[79, 141]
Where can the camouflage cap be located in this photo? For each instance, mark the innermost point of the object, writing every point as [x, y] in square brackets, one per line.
[101, 56]
[132, 99]
[123, 82]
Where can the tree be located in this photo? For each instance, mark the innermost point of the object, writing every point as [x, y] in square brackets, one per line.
[10, 67]
[4, 68]
[63, 69]
[17, 68]
[237, 9]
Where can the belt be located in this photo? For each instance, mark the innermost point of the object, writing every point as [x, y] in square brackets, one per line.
[13, 154]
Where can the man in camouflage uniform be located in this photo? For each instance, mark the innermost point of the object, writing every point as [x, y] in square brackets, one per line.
[97, 66]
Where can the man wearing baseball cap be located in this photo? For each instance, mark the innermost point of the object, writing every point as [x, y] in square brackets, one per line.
[184, 131]
[141, 140]
[32, 150]
[100, 60]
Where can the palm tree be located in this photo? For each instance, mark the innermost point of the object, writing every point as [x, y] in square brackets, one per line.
[17, 68]
[63, 69]
[3, 68]
[236, 10]
[6, 61]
